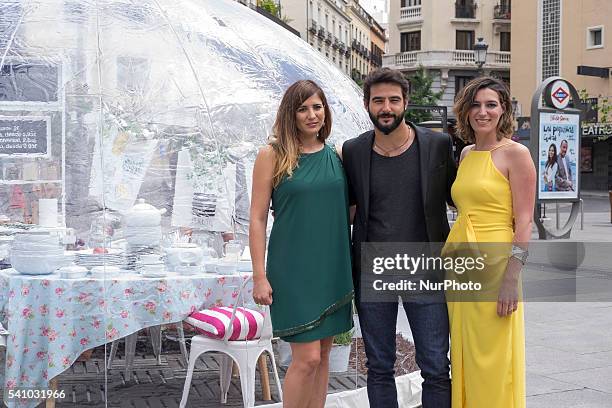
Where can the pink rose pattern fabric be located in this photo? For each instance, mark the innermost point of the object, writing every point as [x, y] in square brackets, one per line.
[51, 321]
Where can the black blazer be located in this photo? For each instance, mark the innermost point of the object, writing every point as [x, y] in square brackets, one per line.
[438, 171]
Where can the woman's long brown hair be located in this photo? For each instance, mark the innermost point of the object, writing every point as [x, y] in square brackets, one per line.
[285, 141]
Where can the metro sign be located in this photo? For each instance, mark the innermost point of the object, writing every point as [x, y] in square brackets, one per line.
[559, 94]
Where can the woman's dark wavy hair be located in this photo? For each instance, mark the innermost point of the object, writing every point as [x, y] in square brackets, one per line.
[466, 97]
[551, 160]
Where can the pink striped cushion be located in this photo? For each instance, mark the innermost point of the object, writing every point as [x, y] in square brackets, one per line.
[214, 323]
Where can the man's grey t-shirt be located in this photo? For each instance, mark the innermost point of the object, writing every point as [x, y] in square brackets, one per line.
[396, 206]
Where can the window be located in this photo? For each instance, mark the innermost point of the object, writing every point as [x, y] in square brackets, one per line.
[461, 82]
[465, 9]
[595, 37]
[465, 40]
[410, 3]
[410, 41]
[551, 28]
[504, 41]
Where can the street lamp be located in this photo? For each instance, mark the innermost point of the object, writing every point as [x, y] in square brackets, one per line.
[480, 52]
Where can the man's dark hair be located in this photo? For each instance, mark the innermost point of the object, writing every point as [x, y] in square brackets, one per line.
[385, 76]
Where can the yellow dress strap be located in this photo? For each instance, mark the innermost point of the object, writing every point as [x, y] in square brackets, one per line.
[498, 146]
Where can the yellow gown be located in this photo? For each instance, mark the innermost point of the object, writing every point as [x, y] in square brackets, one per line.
[487, 351]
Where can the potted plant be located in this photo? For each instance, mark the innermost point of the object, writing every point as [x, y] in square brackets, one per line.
[340, 352]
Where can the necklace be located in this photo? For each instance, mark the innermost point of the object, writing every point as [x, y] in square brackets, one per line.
[387, 152]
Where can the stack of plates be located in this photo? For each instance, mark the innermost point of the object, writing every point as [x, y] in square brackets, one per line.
[88, 259]
[153, 270]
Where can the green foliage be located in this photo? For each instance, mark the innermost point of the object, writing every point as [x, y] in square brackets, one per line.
[270, 6]
[604, 107]
[421, 94]
[344, 339]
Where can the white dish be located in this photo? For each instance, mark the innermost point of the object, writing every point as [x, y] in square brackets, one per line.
[227, 268]
[102, 271]
[210, 266]
[245, 266]
[189, 270]
[37, 265]
[150, 259]
[73, 272]
[153, 274]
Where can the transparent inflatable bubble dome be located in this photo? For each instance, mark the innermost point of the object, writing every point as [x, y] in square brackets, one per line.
[106, 102]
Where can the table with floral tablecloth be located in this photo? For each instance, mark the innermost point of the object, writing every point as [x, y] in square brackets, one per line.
[52, 320]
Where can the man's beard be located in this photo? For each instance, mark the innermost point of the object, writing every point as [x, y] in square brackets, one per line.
[390, 128]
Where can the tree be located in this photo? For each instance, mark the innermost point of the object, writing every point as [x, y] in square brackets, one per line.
[421, 94]
[270, 6]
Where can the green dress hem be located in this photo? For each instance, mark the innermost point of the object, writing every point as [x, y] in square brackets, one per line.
[314, 323]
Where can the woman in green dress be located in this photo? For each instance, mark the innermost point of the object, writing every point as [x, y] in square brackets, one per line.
[307, 279]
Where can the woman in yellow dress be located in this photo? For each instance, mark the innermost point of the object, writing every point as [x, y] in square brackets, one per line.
[494, 193]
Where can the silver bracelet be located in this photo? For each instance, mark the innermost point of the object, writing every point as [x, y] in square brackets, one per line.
[519, 253]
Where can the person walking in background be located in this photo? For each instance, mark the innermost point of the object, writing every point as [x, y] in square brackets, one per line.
[563, 177]
[550, 168]
[307, 279]
[495, 195]
[399, 178]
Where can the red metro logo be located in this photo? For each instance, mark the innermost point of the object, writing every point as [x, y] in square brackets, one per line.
[560, 95]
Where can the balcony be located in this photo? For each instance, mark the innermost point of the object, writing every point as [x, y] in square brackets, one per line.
[321, 33]
[313, 27]
[501, 18]
[465, 11]
[328, 39]
[336, 43]
[501, 12]
[449, 59]
[355, 45]
[410, 17]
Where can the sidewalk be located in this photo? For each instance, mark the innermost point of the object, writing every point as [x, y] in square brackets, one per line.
[569, 345]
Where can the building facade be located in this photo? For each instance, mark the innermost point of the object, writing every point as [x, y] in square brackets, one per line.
[378, 41]
[341, 30]
[325, 25]
[440, 36]
[562, 38]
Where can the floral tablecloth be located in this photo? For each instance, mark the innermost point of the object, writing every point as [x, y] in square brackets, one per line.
[51, 320]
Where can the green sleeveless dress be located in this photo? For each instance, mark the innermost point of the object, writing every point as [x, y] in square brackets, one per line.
[309, 264]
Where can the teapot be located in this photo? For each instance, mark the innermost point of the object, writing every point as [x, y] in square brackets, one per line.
[143, 215]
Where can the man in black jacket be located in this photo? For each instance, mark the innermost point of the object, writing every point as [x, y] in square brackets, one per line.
[399, 177]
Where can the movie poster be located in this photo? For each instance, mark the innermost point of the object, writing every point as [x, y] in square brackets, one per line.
[558, 156]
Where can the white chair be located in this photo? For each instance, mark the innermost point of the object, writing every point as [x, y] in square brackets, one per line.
[244, 353]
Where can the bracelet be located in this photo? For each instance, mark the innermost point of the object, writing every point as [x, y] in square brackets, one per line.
[519, 253]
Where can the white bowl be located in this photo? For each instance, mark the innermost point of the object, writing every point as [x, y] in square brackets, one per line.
[227, 268]
[37, 265]
[26, 252]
